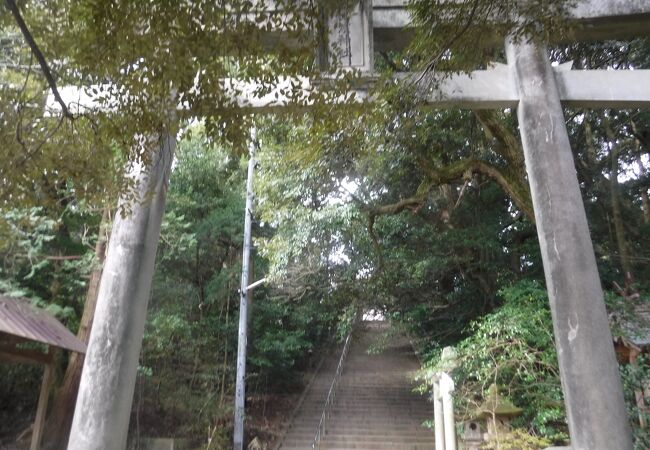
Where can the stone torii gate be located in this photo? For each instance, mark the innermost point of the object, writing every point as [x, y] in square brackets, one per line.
[588, 368]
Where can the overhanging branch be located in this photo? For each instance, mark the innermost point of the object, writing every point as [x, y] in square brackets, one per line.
[459, 169]
[36, 51]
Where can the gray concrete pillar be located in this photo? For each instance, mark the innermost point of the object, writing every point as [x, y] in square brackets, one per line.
[101, 418]
[591, 383]
[438, 422]
[446, 389]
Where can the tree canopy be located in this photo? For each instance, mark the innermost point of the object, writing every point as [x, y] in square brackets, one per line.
[421, 214]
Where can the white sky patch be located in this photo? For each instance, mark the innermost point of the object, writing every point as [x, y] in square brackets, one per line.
[338, 256]
[347, 188]
[364, 273]
[373, 315]
[350, 186]
[633, 171]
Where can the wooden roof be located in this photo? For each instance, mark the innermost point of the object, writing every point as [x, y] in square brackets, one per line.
[19, 318]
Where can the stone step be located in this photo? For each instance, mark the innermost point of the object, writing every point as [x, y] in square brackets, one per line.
[374, 411]
[303, 432]
[360, 436]
[359, 417]
[366, 446]
[375, 407]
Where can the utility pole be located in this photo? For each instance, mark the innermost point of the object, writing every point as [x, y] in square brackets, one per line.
[240, 390]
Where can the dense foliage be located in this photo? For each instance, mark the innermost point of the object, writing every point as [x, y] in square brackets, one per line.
[123, 68]
[422, 215]
[466, 32]
[428, 215]
[187, 369]
[512, 348]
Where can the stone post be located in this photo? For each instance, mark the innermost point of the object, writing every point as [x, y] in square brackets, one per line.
[591, 383]
[101, 419]
[438, 422]
[446, 388]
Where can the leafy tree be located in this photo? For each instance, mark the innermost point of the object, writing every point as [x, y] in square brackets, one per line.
[48, 257]
[139, 62]
[389, 202]
[513, 348]
[424, 215]
[186, 379]
[466, 33]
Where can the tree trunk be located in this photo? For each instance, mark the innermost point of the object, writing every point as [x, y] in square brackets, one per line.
[60, 420]
[617, 215]
[645, 201]
[592, 154]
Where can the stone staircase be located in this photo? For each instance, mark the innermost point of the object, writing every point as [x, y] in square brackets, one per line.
[375, 407]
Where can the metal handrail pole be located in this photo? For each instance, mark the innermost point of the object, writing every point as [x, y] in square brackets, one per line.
[331, 395]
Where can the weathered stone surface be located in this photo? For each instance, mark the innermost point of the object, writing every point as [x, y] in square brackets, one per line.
[591, 383]
[101, 419]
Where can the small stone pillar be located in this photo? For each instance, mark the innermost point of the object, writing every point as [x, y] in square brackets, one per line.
[443, 404]
[446, 388]
[438, 423]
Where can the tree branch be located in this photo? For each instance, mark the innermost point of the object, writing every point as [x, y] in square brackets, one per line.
[431, 65]
[510, 147]
[412, 203]
[11, 6]
[459, 169]
[375, 242]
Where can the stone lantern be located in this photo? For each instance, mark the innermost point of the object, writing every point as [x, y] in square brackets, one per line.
[472, 437]
[498, 412]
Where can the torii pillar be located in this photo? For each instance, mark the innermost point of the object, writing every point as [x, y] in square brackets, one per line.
[103, 410]
[593, 393]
